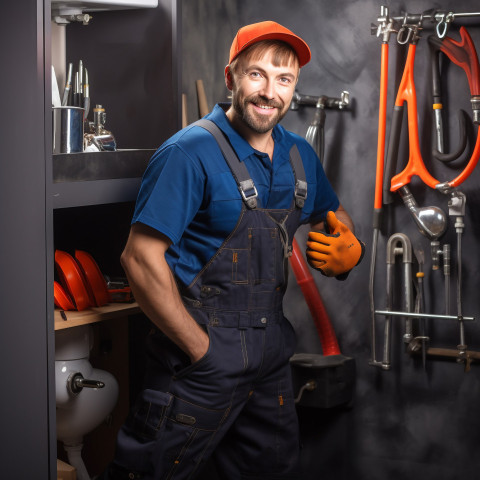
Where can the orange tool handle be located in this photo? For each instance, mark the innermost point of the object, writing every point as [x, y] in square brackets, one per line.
[415, 165]
[382, 121]
[407, 93]
[464, 55]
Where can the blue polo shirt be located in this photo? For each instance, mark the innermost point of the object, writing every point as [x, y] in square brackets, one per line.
[188, 192]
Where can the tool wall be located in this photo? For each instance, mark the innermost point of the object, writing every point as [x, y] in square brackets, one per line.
[415, 333]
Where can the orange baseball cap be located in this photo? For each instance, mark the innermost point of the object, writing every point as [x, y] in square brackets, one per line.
[269, 30]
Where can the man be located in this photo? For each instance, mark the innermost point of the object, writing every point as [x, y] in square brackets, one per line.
[207, 259]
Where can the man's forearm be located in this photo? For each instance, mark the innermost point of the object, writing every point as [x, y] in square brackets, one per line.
[156, 292]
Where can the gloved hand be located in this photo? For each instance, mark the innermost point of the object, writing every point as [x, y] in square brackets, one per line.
[334, 254]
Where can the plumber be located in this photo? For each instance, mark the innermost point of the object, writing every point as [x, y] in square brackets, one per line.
[207, 259]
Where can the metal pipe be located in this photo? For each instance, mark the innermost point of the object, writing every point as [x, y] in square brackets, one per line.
[398, 244]
[438, 16]
[456, 208]
[316, 101]
[387, 335]
[447, 276]
[459, 284]
[394, 313]
[371, 288]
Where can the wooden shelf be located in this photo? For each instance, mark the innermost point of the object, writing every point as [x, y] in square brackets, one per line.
[94, 314]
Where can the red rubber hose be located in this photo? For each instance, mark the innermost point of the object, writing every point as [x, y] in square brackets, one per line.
[310, 292]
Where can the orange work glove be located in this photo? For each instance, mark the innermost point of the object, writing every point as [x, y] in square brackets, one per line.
[334, 254]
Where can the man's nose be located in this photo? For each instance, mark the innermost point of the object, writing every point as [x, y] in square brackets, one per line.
[268, 89]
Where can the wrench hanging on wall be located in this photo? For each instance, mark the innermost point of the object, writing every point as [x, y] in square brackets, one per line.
[463, 54]
[384, 30]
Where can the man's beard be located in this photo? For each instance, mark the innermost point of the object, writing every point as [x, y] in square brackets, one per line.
[257, 122]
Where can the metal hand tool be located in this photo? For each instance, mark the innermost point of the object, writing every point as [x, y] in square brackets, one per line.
[438, 151]
[68, 86]
[465, 56]
[419, 303]
[383, 30]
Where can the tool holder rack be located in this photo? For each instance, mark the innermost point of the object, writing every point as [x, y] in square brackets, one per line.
[440, 19]
[407, 28]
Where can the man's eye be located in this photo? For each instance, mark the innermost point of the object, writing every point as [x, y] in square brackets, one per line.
[285, 80]
[255, 75]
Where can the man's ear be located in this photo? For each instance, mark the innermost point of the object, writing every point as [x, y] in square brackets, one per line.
[228, 78]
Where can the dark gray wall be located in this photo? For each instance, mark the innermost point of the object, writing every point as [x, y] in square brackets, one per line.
[408, 422]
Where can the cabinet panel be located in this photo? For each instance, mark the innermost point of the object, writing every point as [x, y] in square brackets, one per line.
[27, 414]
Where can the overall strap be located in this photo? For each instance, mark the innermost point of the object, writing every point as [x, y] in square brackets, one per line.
[300, 177]
[239, 170]
[242, 177]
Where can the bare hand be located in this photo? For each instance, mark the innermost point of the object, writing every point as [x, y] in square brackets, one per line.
[200, 349]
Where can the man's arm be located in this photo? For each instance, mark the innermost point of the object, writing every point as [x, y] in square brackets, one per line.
[156, 292]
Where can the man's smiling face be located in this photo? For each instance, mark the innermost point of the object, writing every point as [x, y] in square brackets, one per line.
[262, 91]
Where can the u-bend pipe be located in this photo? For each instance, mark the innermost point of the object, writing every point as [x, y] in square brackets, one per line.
[398, 244]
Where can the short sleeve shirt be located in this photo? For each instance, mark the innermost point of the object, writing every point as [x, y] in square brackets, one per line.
[188, 192]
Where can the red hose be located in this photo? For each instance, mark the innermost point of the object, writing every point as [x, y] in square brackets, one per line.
[310, 292]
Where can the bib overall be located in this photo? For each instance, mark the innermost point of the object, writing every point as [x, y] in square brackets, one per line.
[236, 403]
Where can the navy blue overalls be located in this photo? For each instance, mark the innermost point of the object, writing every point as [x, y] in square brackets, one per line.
[236, 403]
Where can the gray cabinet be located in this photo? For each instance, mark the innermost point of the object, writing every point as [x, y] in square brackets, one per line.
[142, 97]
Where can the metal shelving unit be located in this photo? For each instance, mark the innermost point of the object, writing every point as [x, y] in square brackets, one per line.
[34, 187]
[82, 179]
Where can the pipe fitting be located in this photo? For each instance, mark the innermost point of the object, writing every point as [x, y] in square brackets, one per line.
[435, 254]
[446, 259]
[475, 100]
[76, 383]
[462, 353]
[393, 250]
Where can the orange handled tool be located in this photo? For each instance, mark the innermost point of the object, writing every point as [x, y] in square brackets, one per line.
[385, 29]
[407, 93]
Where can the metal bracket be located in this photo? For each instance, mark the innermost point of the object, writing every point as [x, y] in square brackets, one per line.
[300, 193]
[385, 25]
[456, 204]
[251, 197]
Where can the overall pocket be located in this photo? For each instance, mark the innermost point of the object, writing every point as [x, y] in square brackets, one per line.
[142, 430]
[165, 434]
[189, 430]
